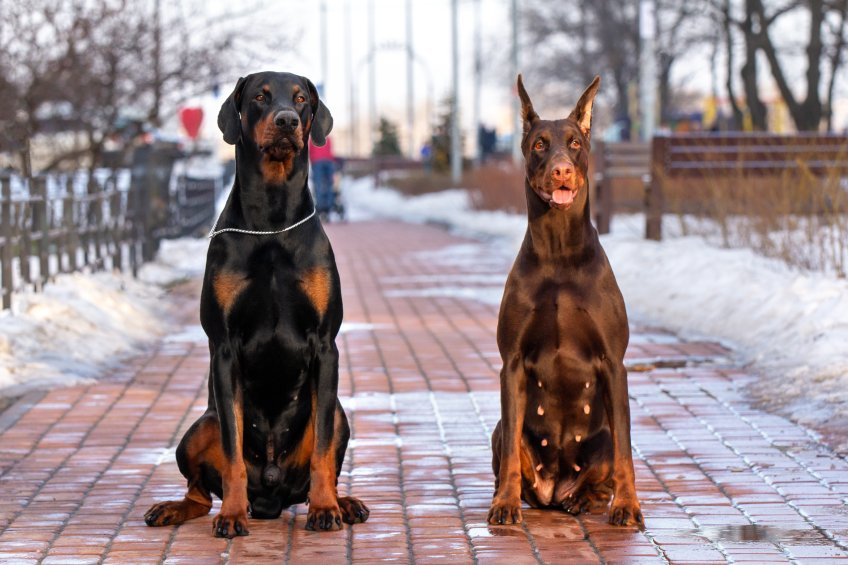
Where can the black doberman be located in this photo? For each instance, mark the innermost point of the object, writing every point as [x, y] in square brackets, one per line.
[274, 433]
[564, 436]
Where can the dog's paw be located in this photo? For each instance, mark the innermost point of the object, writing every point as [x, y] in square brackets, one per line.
[626, 512]
[353, 510]
[174, 512]
[324, 518]
[164, 514]
[230, 525]
[576, 504]
[505, 512]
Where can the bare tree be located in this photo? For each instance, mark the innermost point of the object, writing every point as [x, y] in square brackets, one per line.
[808, 112]
[573, 40]
[86, 65]
[755, 22]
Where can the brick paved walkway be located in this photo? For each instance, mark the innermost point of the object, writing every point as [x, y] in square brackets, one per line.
[719, 480]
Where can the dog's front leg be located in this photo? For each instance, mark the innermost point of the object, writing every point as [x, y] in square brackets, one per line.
[506, 505]
[324, 512]
[232, 520]
[625, 509]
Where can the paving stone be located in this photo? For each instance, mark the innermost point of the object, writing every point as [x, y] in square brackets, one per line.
[719, 479]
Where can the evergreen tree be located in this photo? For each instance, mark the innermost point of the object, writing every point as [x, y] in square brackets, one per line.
[388, 143]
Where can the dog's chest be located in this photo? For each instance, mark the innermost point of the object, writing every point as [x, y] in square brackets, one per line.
[276, 300]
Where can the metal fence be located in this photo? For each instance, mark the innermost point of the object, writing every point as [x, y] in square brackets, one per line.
[64, 223]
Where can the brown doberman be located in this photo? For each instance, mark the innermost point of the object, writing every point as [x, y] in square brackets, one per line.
[564, 436]
[274, 433]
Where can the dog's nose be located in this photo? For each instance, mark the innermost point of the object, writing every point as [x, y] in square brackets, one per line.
[286, 119]
[562, 171]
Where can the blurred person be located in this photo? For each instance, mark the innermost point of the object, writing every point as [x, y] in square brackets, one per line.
[323, 167]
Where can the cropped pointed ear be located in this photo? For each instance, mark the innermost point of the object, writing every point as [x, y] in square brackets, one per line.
[228, 117]
[528, 114]
[582, 113]
[322, 120]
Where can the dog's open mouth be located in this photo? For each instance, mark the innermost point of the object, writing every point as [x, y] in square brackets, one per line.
[563, 196]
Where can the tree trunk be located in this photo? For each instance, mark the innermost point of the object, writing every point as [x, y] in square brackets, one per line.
[748, 72]
[810, 116]
[664, 85]
[807, 115]
[835, 62]
[728, 38]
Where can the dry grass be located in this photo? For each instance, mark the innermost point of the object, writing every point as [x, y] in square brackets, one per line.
[496, 186]
[797, 217]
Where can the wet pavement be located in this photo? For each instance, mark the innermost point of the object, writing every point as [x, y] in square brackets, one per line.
[719, 480]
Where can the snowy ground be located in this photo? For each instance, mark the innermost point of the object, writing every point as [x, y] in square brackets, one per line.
[791, 326]
[84, 323]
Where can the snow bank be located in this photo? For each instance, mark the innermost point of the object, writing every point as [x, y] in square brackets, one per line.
[84, 323]
[792, 326]
[176, 261]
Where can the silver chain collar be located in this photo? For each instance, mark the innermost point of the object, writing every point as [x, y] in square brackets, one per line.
[213, 232]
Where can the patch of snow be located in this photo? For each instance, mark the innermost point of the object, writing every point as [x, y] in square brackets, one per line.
[74, 329]
[83, 324]
[177, 260]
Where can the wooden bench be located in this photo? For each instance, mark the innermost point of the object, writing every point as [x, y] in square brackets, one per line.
[739, 157]
[616, 164]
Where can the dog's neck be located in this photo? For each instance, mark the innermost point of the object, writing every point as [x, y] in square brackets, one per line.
[268, 202]
[559, 234]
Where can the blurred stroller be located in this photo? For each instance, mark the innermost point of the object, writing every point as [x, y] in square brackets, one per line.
[326, 181]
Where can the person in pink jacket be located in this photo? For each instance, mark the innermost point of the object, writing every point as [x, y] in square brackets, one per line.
[323, 167]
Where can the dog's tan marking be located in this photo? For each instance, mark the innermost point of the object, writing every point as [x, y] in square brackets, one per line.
[227, 286]
[235, 471]
[316, 285]
[276, 172]
[323, 493]
[303, 452]
[261, 128]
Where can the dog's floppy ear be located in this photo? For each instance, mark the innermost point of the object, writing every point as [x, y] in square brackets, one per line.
[528, 114]
[322, 120]
[228, 117]
[582, 113]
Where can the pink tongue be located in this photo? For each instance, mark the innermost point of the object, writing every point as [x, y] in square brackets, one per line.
[563, 196]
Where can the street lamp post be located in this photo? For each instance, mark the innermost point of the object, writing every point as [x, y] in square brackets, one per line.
[516, 112]
[456, 149]
[410, 91]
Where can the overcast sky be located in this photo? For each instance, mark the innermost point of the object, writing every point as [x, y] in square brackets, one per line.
[347, 48]
[432, 70]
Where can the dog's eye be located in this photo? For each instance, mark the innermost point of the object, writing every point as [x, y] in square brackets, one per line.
[260, 98]
[539, 145]
[574, 144]
[300, 99]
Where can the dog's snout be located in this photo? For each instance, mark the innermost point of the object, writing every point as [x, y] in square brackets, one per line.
[562, 171]
[287, 119]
